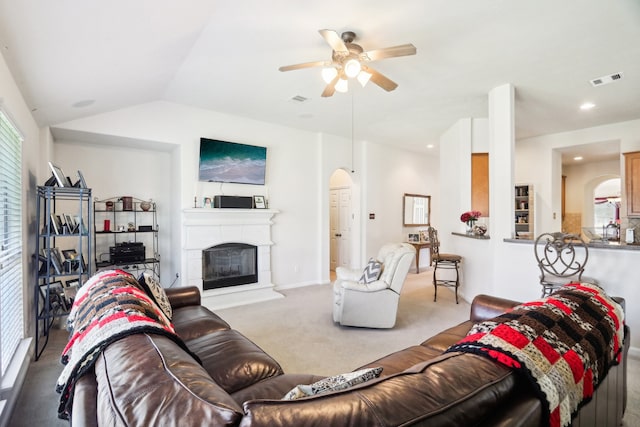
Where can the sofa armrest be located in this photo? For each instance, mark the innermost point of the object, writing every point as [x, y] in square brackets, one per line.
[486, 307]
[183, 296]
[378, 285]
[345, 273]
[85, 401]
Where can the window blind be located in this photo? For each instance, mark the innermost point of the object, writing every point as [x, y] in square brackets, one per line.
[11, 312]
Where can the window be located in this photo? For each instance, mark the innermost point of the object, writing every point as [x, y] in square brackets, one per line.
[11, 313]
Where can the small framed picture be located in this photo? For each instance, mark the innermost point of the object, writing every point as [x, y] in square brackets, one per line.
[70, 290]
[259, 202]
[71, 263]
[55, 258]
[424, 236]
[61, 178]
[72, 227]
[413, 238]
[81, 182]
[207, 202]
[56, 224]
[80, 228]
[55, 296]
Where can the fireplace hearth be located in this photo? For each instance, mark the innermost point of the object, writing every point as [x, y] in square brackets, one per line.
[204, 229]
[229, 264]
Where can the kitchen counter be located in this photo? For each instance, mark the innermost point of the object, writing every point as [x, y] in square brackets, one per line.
[593, 244]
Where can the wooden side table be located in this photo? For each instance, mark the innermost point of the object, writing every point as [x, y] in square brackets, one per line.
[418, 246]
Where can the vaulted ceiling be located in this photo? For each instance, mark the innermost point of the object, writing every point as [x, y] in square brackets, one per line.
[77, 58]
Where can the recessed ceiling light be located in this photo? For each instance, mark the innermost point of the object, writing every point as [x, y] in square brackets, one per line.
[430, 146]
[577, 158]
[587, 106]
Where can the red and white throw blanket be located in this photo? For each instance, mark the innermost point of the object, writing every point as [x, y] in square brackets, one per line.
[565, 344]
[108, 307]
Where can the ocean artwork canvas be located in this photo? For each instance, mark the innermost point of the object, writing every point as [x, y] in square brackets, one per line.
[223, 161]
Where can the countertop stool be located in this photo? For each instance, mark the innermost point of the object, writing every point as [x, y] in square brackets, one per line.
[443, 262]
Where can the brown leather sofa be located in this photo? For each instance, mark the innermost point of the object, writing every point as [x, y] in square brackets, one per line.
[148, 380]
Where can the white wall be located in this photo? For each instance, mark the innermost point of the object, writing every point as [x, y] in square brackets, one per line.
[389, 174]
[508, 269]
[34, 149]
[538, 162]
[112, 171]
[299, 167]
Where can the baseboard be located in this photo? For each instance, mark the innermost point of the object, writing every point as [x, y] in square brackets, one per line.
[300, 285]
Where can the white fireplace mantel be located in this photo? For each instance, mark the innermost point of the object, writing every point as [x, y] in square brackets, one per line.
[205, 227]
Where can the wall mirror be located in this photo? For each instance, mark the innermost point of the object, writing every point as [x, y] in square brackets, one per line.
[416, 209]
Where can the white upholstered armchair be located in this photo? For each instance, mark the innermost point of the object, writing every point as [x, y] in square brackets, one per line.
[373, 304]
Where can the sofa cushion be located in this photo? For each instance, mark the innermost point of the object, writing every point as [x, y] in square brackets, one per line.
[233, 361]
[274, 387]
[403, 359]
[334, 383]
[168, 388]
[371, 271]
[436, 393]
[194, 321]
[154, 289]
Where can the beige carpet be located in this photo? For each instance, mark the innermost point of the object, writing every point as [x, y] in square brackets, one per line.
[299, 333]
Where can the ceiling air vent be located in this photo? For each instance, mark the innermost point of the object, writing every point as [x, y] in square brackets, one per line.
[606, 79]
[299, 98]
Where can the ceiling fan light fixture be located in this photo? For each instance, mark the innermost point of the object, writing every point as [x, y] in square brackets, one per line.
[328, 74]
[352, 68]
[363, 77]
[342, 85]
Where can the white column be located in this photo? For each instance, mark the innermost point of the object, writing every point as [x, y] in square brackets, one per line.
[501, 160]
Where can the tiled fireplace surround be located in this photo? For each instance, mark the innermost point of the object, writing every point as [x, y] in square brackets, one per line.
[203, 228]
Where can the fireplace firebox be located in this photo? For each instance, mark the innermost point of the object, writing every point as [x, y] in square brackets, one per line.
[229, 264]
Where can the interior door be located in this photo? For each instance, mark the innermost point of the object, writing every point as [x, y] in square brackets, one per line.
[334, 226]
[340, 227]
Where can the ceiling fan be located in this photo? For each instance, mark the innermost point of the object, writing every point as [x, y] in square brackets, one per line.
[350, 60]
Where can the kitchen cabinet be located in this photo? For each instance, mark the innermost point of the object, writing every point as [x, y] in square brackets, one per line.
[632, 183]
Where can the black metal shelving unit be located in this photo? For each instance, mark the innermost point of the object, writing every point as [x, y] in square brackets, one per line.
[65, 221]
[131, 222]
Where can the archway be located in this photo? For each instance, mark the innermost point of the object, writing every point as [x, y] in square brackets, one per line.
[340, 220]
[598, 191]
[606, 207]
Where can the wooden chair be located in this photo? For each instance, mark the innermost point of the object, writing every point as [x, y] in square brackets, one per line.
[443, 262]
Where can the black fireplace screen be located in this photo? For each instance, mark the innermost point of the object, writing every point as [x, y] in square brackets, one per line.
[229, 264]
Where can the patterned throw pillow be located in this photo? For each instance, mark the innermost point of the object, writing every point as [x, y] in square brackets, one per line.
[338, 382]
[154, 289]
[371, 272]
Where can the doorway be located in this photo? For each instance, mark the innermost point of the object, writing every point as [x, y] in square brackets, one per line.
[340, 220]
[606, 208]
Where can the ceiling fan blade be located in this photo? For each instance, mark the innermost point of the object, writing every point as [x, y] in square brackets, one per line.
[330, 89]
[334, 40]
[304, 65]
[389, 52]
[382, 81]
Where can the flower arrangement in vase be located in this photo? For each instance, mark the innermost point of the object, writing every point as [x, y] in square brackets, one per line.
[470, 219]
